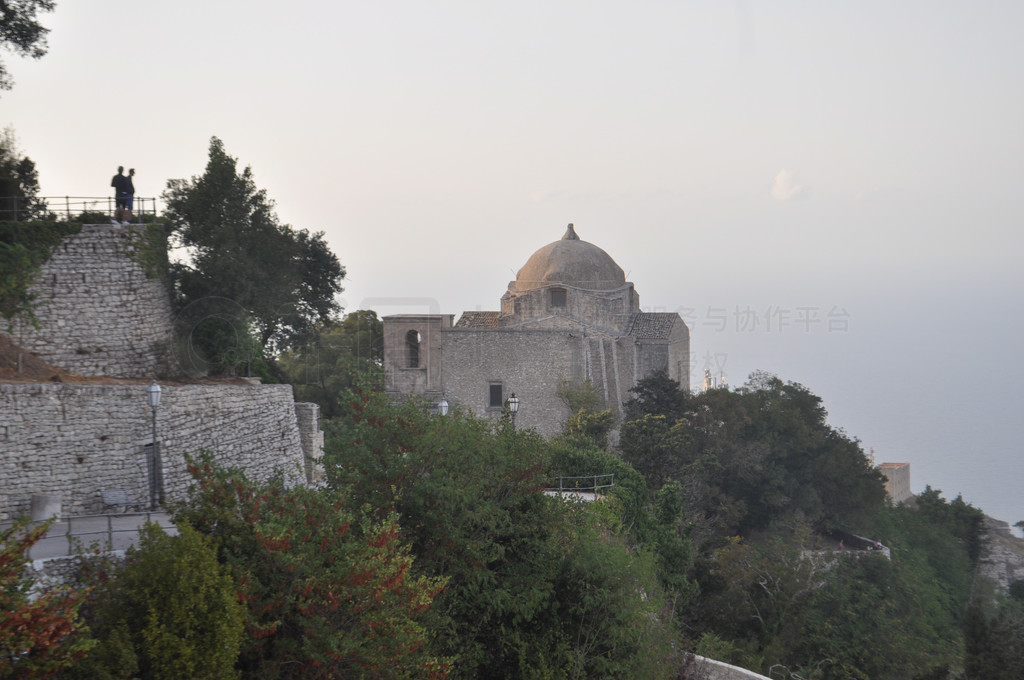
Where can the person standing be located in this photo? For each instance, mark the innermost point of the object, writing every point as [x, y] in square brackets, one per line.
[120, 184]
[130, 199]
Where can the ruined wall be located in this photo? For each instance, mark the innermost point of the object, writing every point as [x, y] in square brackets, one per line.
[76, 439]
[99, 314]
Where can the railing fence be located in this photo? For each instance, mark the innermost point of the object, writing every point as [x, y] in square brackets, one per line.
[115, 531]
[18, 209]
[589, 483]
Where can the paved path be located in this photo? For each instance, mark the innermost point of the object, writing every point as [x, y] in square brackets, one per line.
[110, 532]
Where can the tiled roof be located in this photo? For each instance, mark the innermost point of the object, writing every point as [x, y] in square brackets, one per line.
[652, 324]
[478, 320]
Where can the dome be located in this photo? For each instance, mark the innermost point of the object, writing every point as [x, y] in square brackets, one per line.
[572, 262]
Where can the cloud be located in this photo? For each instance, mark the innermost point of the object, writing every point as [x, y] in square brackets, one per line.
[785, 187]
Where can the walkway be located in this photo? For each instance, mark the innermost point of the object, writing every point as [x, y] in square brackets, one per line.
[109, 532]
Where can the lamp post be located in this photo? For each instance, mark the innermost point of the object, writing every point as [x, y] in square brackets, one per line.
[156, 480]
[513, 408]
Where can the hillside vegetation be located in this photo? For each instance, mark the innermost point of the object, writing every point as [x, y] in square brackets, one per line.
[433, 551]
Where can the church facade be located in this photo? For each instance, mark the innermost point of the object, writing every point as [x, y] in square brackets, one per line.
[570, 316]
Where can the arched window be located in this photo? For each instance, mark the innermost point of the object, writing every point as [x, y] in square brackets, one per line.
[412, 349]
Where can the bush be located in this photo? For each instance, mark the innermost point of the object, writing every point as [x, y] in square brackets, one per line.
[171, 613]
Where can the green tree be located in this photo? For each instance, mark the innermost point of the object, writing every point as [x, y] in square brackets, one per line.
[657, 394]
[40, 631]
[753, 456]
[879, 619]
[959, 518]
[660, 449]
[613, 619]
[171, 612]
[811, 468]
[534, 590]
[995, 642]
[249, 276]
[581, 457]
[329, 592]
[586, 418]
[21, 32]
[19, 180]
[334, 359]
[24, 247]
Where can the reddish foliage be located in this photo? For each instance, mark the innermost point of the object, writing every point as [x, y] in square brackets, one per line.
[40, 636]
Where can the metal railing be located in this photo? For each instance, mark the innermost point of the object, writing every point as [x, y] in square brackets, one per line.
[115, 531]
[588, 484]
[16, 209]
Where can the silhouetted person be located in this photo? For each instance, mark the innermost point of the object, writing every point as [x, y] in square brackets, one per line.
[121, 186]
[130, 201]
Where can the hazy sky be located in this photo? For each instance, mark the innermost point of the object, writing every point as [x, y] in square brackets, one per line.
[827, 191]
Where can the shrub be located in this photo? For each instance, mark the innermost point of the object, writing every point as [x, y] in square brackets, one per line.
[171, 613]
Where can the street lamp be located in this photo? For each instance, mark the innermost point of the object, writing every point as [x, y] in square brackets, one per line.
[513, 407]
[156, 479]
[442, 406]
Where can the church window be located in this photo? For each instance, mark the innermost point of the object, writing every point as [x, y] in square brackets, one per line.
[412, 349]
[558, 297]
[495, 394]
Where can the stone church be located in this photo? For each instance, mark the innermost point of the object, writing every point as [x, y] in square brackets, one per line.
[570, 316]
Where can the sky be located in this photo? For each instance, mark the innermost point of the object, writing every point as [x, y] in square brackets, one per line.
[826, 191]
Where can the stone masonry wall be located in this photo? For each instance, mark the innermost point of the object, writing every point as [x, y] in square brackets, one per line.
[308, 418]
[530, 363]
[99, 314]
[76, 439]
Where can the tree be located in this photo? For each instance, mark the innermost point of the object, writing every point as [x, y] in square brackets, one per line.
[879, 619]
[19, 181]
[40, 632]
[334, 359]
[657, 394]
[171, 612]
[585, 420]
[959, 518]
[250, 278]
[995, 643]
[536, 588]
[21, 32]
[330, 592]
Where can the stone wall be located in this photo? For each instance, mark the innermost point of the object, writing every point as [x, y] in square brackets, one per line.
[530, 363]
[99, 314]
[73, 440]
[308, 418]
[425, 377]
[1002, 554]
[703, 668]
[606, 311]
